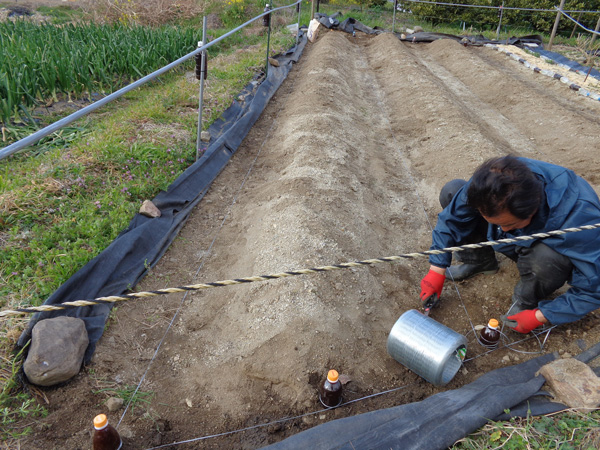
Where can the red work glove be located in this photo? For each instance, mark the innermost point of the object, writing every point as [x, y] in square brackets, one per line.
[431, 284]
[525, 320]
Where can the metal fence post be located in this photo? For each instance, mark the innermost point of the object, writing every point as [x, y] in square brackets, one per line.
[298, 29]
[394, 16]
[269, 17]
[201, 94]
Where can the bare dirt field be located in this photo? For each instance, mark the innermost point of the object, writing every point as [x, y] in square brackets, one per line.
[345, 164]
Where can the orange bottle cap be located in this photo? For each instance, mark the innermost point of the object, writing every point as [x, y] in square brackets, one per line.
[493, 323]
[100, 421]
[332, 376]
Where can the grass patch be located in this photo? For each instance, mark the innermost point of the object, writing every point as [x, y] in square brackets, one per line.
[567, 431]
[128, 394]
[15, 405]
[61, 14]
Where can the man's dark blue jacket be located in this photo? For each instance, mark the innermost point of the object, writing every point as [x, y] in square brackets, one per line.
[569, 202]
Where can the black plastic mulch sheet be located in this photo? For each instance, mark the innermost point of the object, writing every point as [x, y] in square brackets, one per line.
[523, 41]
[124, 262]
[573, 66]
[351, 25]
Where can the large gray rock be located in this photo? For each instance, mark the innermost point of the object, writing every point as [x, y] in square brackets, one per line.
[57, 349]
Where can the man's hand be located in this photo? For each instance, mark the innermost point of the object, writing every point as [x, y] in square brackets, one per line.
[525, 321]
[431, 284]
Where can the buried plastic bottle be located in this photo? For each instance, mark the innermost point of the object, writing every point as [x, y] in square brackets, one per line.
[490, 336]
[330, 392]
[106, 437]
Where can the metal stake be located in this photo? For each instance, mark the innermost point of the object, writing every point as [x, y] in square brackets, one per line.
[201, 94]
[298, 29]
[394, 17]
[268, 46]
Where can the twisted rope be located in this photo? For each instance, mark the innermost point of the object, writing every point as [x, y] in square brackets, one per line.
[252, 279]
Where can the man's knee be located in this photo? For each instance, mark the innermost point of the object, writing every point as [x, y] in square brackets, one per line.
[542, 262]
[449, 191]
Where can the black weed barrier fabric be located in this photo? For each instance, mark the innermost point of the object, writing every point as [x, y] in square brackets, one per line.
[434, 423]
[523, 41]
[127, 259]
[442, 419]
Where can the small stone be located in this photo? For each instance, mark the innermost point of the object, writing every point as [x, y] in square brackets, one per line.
[273, 62]
[162, 426]
[274, 428]
[344, 379]
[566, 355]
[506, 359]
[114, 404]
[125, 432]
[205, 136]
[188, 402]
[418, 29]
[148, 209]
[322, 416]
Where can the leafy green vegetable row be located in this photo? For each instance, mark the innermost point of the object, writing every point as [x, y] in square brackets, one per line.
[39, 61]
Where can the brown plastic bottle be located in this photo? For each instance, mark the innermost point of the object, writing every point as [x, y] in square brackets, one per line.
[490, 336]
[330, 392]
[105, 435]
[267, 18]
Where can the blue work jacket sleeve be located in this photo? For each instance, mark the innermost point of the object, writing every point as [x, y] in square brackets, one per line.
[581, 247]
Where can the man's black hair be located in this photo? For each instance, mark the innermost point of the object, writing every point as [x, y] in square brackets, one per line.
[505, 184]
